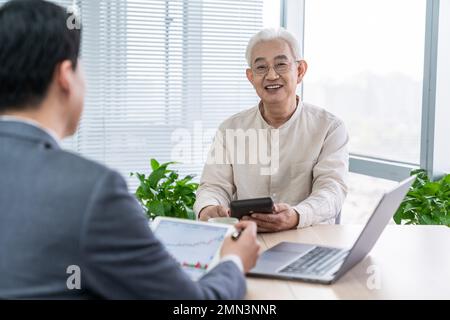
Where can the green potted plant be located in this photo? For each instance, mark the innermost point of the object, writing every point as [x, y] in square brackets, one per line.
[427, 202]
[164, 193]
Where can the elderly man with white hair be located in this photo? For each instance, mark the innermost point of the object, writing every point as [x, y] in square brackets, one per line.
[308, 158]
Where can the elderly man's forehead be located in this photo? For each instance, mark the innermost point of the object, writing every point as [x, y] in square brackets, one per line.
[278, 57]
[278, 50]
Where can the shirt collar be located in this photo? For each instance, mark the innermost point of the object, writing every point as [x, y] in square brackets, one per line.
[291, 120]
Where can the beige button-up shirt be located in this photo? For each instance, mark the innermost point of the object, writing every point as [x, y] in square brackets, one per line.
[304, 163]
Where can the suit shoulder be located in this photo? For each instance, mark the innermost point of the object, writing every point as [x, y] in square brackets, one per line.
[76, 164]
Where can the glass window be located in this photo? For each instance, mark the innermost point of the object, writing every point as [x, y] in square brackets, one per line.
[364, 192]
[365, 62]
[271, 13]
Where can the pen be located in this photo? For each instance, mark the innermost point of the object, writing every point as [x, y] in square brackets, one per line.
[235, 235]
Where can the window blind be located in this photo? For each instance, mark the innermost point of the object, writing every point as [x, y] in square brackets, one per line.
[161, 76]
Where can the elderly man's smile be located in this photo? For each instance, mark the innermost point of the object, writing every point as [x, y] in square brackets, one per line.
[273, 87]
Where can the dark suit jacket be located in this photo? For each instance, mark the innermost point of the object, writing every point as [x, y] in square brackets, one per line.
[58, 210]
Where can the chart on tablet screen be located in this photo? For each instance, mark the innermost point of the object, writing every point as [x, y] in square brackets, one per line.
[192, 245]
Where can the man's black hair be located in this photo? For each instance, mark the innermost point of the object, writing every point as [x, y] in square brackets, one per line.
[34, 39]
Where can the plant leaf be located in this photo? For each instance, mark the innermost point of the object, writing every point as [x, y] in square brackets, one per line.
[156, 176]
[190, 213]
[156, 207]
[427, 202]
[164, 193]
[398, 216]
[431, 188]
[154, 164]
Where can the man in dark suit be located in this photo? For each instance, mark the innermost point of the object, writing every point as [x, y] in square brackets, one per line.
[60, 213]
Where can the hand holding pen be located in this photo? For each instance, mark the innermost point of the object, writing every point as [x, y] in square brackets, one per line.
[243, 243]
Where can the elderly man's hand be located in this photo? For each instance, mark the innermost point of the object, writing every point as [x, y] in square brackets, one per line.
[284, 217]
[213, 212]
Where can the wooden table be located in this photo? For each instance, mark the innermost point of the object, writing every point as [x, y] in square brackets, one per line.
[407, 262]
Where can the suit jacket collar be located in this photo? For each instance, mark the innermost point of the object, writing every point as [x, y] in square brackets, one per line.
[29, 132]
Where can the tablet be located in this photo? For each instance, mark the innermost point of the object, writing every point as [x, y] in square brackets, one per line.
[194, 244]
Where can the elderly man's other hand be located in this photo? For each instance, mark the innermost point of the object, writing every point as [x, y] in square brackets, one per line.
[213, 212]
[284, 217]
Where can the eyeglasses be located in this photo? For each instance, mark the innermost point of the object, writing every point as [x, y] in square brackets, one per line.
[280, 68]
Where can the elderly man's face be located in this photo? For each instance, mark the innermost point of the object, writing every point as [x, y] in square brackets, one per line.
[274, 73]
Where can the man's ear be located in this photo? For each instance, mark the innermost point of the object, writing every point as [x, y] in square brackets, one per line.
[301, 70]
[64, 75]
[249, 74]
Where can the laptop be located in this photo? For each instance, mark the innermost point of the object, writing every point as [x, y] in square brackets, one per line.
[312, 263]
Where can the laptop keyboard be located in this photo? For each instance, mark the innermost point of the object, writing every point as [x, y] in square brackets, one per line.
[317, 261]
